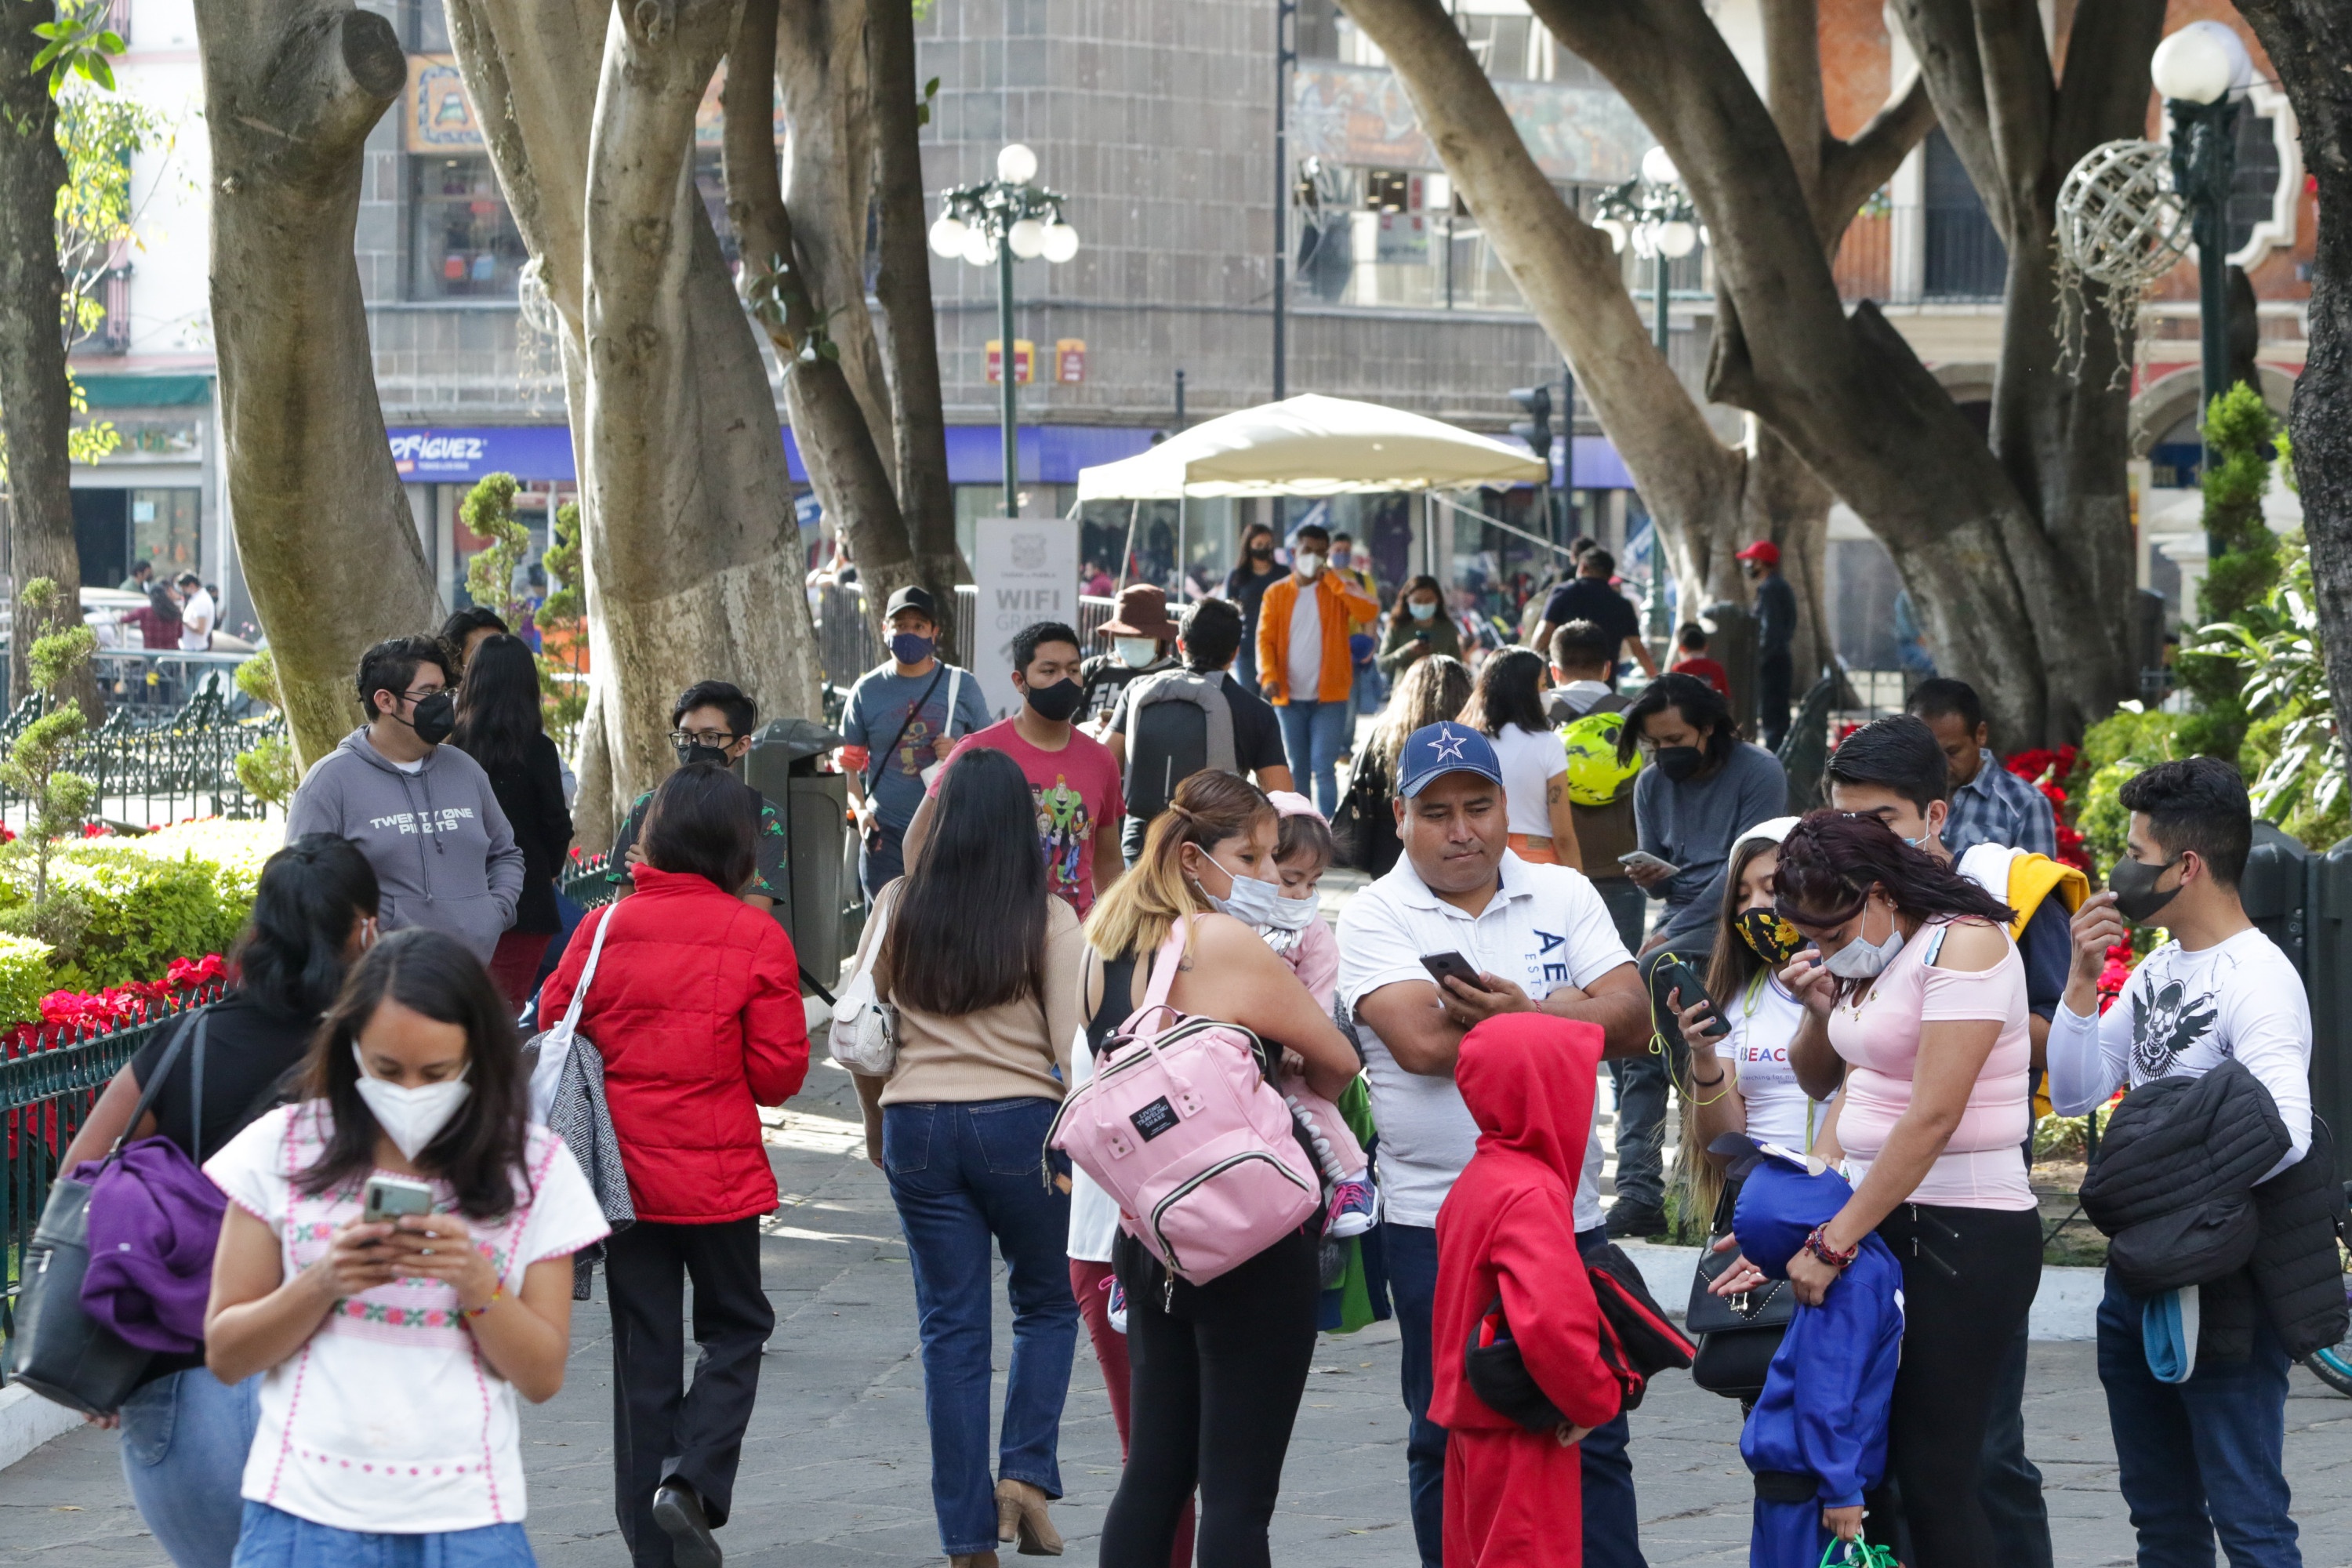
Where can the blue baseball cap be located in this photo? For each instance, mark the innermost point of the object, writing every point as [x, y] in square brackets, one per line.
[1435, 750]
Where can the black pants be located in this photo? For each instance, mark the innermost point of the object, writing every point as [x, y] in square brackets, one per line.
[1774, 676]
[662, 1430]
[1968, 1279]
[1217, 1376]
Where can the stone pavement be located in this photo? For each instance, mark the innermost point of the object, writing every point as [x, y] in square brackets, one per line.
[836, 1469]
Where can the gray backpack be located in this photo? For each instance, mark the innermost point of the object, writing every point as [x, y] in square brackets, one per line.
[1178, 723]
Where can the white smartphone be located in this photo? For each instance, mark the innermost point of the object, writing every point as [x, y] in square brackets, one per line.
[389, 1197]
[1643, 860]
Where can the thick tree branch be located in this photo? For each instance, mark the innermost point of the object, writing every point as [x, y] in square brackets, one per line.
[2019, 102]
[1851, 170]
[1944, 39]
[1793, 83]
[2104, 93]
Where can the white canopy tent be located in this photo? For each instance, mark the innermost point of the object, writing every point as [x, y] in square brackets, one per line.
[1312, 446]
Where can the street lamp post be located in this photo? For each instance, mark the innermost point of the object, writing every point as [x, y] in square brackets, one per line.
[996, 221]
[1655, 213]
[2202, 70]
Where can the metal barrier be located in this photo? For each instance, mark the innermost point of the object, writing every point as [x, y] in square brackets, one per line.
[46, 1089]
[146, 770]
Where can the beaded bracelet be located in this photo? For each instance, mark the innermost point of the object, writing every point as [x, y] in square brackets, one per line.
[1818, 1244]
[496, 1291]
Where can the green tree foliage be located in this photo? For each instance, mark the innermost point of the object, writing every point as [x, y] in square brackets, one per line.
[488, 511]
[2112, 750]
[36, 764]
[268, 770]
[2243, 435]
[2292, 750]
[79, 43]
[563, 631]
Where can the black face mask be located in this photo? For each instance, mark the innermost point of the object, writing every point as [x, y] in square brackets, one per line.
[1679, 762]
[695, 752]
[435, 718]
[1057, 702]
[1262, 551]
[2133, 884]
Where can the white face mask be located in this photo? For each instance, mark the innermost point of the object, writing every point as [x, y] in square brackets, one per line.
[1135, 652]
[1862, 959]
[1296, 914]
[1250, 900]
[411, 1118]
[1309, 564]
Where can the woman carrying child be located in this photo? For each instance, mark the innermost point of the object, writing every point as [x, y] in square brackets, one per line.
[394, 1349]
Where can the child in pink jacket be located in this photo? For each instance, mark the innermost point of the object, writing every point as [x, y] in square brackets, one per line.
[1299, 933]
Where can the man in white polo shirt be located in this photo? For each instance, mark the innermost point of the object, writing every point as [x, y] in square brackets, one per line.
[1541, 939]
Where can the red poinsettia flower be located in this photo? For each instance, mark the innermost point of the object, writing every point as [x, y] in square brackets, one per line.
[2117, 972]
[185, 974]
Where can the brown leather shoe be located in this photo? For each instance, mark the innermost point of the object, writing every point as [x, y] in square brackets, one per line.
[972, 1560]
[1020, 1511]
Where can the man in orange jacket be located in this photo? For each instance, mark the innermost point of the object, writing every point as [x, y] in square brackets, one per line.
[1303, 662]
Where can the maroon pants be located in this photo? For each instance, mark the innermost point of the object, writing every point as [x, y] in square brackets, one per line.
[1086, 1283]
[516, 964]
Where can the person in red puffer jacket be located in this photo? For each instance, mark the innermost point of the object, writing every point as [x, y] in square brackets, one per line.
[1508, 1230]
[695, 1010]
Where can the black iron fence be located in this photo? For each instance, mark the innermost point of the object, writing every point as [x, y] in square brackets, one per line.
[47, 1086]
[148, 769]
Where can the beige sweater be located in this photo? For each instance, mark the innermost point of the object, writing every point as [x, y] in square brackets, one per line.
[1006, 1052]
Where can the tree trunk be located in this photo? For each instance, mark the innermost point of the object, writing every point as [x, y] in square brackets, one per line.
[2308, 42]
[329, 546]
[903, 285]
[690, 555]
[1782, 501]
[33, 409]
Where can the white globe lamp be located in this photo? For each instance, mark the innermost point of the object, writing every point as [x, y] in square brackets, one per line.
[1658, 167]
[1676, 240]
[1615, 231]
[1060, 242]
[1027, 238]
[1016, 165]
[948, 236]
[2201, 63]
[978, 248]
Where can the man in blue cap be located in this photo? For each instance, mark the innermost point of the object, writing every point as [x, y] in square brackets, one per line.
[1538, 938]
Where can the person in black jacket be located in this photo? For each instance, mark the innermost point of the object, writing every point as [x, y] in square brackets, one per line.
[185, 1433]
[2198, 1445]
[499, 726]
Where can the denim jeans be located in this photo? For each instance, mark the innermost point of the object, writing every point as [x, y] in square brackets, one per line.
[962, 1173]
[184, 1439]
[1613, 1529]
[1642, 1090]
[882, 861]
[275, 1538]
[2200, 1458]
[1313, 736]
[1628, 908]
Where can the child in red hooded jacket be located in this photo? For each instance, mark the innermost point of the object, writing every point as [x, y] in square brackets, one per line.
[1508, 1229]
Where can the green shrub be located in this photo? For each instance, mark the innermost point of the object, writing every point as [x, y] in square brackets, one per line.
[2115, 749]
[24, 979]
[123, 908]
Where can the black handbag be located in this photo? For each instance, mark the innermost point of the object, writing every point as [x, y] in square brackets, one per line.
[58, 1350]
[1738, 1335]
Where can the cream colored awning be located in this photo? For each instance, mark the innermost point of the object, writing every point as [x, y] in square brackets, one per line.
[1312, 446]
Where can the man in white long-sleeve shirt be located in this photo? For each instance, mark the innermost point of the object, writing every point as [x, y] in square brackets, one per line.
[2201, 1457]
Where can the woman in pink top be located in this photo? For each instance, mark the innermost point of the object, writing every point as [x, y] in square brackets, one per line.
[1913, 977]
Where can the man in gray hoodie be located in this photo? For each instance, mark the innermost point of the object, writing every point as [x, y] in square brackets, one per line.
[421, 812]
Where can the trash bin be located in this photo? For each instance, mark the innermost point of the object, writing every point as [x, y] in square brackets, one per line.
[2327, 976]
[2276, 893]
[782, 766]
[1734, 646]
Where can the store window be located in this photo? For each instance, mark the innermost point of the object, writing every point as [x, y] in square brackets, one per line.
[1965, 257]
[164, 532]
[2253, 188]
[466, 244]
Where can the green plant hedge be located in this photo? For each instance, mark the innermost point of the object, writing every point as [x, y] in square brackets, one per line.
[126, 907]
[24, 979]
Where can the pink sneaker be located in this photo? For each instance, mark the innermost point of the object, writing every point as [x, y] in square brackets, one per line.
[1353, 1210]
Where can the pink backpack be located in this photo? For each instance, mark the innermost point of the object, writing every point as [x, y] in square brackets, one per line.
[1181, 1128]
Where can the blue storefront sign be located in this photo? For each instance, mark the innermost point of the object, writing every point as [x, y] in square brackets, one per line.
[435, 454]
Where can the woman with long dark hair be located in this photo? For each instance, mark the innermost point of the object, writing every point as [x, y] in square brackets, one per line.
[983, 964]
[1217, 1370]
[1506, 707]
[500, 726]
[185, 1433]
[1418, 628]
[1433, 689]
[695, 1007]
[1245, 586]
[1912, 974]
[391, 1349]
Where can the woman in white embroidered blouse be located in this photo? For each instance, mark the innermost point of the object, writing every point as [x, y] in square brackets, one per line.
[394, 1350]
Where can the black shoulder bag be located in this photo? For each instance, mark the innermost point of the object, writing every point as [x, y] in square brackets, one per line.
[59, 1351]
[1738, 1335]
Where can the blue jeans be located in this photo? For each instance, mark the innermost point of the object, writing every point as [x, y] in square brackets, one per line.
[960, 1175]
[184, 1439]
[1313, 736]
[2200, 1458]
[883, 860]
[275, 1538]
[1612, 1528]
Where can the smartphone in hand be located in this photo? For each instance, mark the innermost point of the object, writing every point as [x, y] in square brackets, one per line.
[1643, 860]
[1442, 965]
[390, 1197]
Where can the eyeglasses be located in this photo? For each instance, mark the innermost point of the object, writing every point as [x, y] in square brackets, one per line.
[429, 691]
[719, 738]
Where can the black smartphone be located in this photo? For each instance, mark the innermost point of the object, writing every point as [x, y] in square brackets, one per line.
[1441, 965]
[1421, 634]
[1673, 976]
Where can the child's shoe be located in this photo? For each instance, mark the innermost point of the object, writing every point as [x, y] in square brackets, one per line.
[1117, 1309]
[1351, 1210]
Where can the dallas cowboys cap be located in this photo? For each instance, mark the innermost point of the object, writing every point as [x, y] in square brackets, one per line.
[1435, 750]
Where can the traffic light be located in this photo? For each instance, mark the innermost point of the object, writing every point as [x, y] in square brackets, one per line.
[1536, 428]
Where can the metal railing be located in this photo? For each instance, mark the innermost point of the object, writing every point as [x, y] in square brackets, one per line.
[848, 646]
[1911, 254]
[47, 1086]
[147, 769]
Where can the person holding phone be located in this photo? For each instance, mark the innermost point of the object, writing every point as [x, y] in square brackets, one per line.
[391, 1349]
[1535, 939]
[1418, 626]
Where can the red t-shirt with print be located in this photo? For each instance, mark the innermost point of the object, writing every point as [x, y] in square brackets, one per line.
[1075, 788]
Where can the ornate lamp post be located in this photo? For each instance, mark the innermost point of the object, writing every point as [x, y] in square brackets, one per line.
[1655, 212]
[2202, 70]
[996, 221]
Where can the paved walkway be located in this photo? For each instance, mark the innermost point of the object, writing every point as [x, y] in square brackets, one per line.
[836, 1470]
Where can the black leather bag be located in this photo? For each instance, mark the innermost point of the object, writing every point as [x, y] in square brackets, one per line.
[1738, 1335]
[60, 1351]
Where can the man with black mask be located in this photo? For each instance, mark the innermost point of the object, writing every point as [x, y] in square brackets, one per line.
[1073, 776]
[423, 814]
[711, 722]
